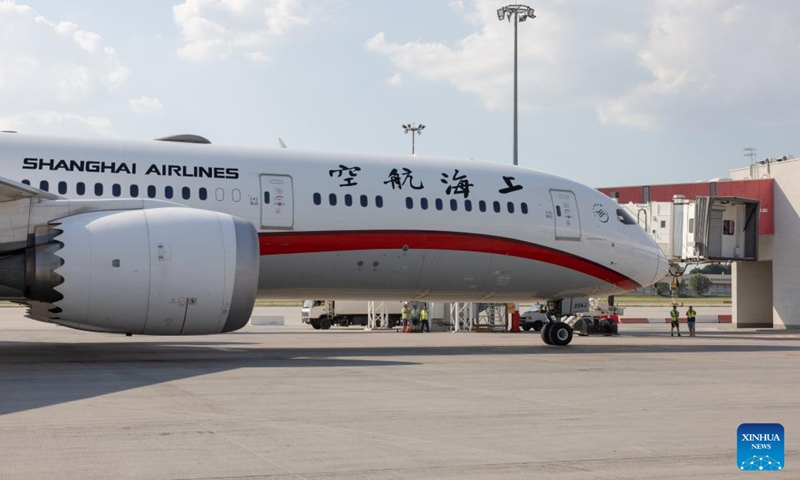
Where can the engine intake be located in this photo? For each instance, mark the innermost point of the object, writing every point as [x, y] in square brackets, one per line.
[160, 271]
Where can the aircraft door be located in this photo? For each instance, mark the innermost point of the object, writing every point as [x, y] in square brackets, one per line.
[277, 201]
[565, 214]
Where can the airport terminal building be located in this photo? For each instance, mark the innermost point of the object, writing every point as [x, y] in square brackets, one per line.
[764, 290]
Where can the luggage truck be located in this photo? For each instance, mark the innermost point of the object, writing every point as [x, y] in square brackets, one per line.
[322, 314]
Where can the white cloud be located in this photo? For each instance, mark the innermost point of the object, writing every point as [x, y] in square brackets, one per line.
[144, 104]
[639, 64]
[259, 57]
[51, 71]
[217, 29]
[395, 80]
[54, 118]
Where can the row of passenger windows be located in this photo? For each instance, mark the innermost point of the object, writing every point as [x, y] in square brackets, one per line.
[133, 191]
[424, 204]
[348, 200]
[468, 205]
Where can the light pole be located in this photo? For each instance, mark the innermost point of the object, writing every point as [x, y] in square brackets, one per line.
[520, 13]
[414, 131]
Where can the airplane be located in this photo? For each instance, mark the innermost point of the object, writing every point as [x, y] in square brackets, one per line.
[178, 236]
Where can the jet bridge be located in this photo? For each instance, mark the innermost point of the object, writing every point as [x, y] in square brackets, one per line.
[706, 228]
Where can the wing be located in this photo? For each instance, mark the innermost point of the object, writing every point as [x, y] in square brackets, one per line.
[11, 190]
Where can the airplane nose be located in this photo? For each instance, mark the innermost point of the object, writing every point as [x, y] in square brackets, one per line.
[662, 265]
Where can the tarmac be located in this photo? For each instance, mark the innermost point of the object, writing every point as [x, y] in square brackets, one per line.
[290, 402]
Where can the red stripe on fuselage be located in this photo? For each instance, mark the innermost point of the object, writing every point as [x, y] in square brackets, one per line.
[290, 243]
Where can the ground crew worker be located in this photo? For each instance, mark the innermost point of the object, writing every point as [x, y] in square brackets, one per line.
[415, 318]
[404, 317]
[691, 315]
[676, 324]
[423, 318]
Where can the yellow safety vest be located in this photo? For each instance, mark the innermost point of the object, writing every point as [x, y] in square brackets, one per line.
[423, 315]
[404, 314]
[691, 313]
[674, 314]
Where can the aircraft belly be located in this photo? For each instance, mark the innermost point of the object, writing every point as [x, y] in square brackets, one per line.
[420, 274]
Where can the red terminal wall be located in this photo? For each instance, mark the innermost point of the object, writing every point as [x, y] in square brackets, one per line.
[756, 189]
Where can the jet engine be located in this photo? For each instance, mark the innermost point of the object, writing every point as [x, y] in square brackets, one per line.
[157, 271]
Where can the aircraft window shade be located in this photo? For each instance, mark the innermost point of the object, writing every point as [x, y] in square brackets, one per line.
[423, 203]
[364, 201]
[44, 185]
[496, 206]
[332, 199]
[348, 200]
[625, 217]
[236, 195]
[439, 204]
[409, 203]
[134, 191]
[116, 190]
[80, 188]
[453, 204]
[219, 194]
[26, 182]
[524, 207]
[482, 206]
[468, 205]
[168, 192]
[510, 207]
[202, 193]
[151, 191]
[186, 193]
[317, 199]
[378, 201]
[62, 187]
[98, 189]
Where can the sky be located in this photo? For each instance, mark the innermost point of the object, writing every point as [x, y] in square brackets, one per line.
[611, 93]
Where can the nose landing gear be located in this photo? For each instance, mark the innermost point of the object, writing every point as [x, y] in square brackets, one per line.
[556, 333]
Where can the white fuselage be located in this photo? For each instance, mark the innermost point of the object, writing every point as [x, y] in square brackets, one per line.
[360, 226]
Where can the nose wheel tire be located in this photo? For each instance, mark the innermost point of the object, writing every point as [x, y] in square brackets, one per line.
[559, 334]
[545, 332]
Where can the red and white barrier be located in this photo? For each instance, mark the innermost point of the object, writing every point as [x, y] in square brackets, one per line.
[700, 319]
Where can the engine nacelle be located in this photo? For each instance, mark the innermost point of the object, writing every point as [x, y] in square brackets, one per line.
[160, 271]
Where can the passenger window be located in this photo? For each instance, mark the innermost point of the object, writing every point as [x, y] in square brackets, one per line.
[219, 194]
[134, 191]
[409, 203]
[496, 206]
[348, 200]
[423, 203]
[44, 185]
[468, 205]
[558, 211]
[116, 190]
[332, 199]
[168, 193]
[691, 225]
[80, 188]
[98, 189]
[378, 201]
[236, 195]
[439, 204]
[186, 193]
[453, 204]
[364, 201]
[482, 206]
[62, 187]
[510, 207]
[524, 207]
[317, 199]
[26, 182]
[728, 227]
[151, 191]
[203, 193]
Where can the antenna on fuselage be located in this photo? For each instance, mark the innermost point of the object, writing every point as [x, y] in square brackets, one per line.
[280, 142]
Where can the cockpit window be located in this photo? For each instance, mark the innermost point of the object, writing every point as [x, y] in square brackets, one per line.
[625, 217]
